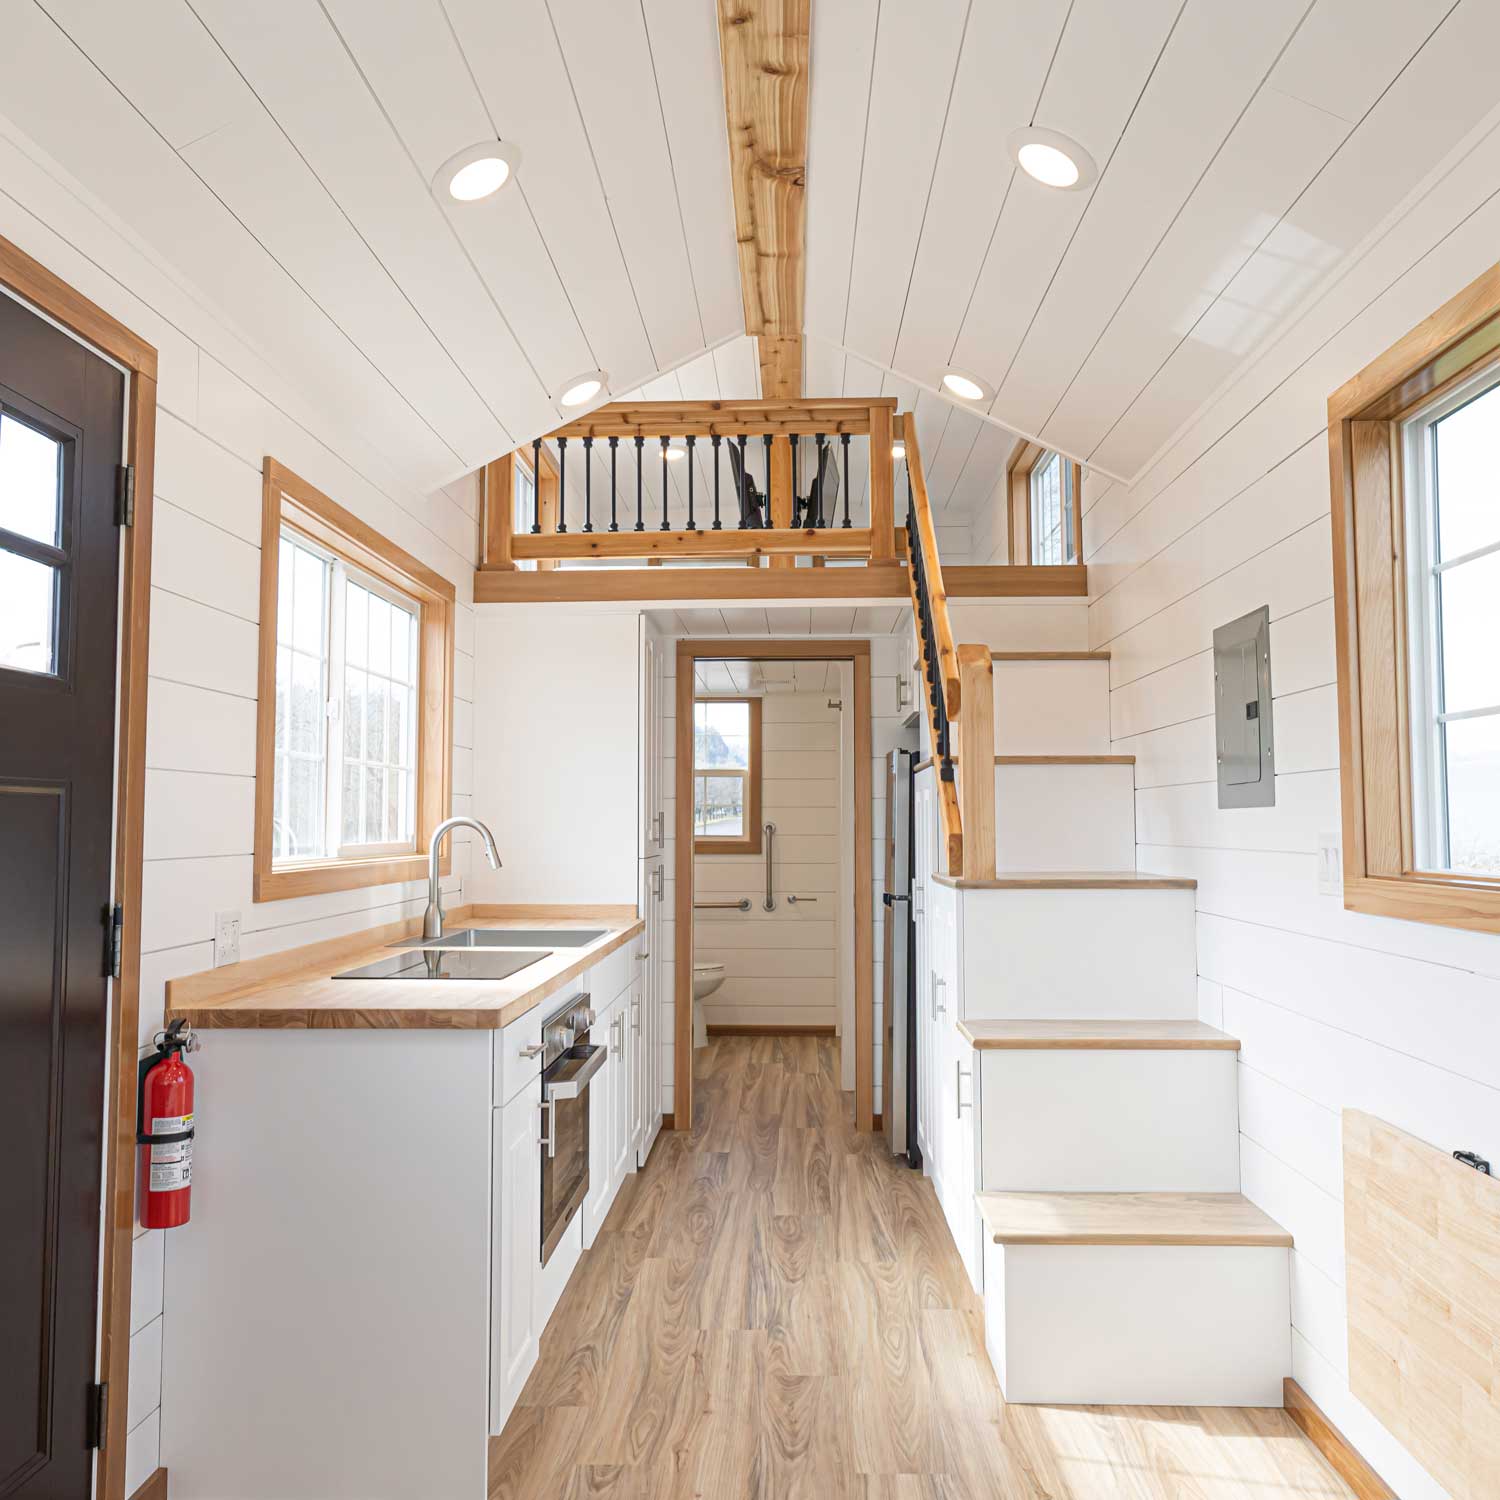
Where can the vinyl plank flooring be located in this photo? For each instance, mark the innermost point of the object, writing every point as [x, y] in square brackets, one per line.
[775, 1309]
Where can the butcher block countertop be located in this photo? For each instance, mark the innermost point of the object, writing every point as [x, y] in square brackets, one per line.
[296, 989]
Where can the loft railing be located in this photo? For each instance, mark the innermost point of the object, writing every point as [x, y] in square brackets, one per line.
[688, 481]
[960, 691]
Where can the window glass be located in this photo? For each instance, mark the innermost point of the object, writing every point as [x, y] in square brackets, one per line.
[28, 614]
[301, 701]
[719, 807]
[721, 735]
[1466, 446]
[1052, 510]
[523, 514]
[30, 482]
[1472, 764]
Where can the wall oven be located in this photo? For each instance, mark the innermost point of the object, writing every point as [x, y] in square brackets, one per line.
[569, 1061]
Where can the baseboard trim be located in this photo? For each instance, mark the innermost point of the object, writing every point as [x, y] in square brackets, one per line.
[747, 1030]
[155, 1488]
[1343, 1459]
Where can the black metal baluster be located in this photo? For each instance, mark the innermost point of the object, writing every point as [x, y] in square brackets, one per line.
[640, 462]
[588, 483]
[562, 486]
[796, 441]
[718, 524]
[744, 483]
[765, 519]
[820, 441]
[692, 463]
[536, 487]
[614, 453]
[844, 439]
[666, 524]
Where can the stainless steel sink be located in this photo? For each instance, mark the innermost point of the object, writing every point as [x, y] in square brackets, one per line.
[510, 937]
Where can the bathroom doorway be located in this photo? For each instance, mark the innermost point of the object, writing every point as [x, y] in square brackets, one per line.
[773, 808]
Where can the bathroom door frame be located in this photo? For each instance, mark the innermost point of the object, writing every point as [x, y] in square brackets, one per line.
[689, 654]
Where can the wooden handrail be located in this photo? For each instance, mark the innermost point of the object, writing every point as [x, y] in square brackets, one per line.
[947, 653]
[806, 415]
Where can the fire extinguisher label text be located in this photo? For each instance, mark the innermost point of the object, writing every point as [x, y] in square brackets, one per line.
[171, 1162]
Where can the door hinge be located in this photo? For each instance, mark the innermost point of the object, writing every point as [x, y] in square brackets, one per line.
[125, 495]
[98, 1413]
[114, 939]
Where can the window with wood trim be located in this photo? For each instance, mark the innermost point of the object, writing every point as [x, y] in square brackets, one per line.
[355, 716]
[1414, 443]
[1045, 506]
[726, 776]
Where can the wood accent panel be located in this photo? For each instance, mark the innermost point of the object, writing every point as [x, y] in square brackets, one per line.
[855, 1363]
[873, 585]
[749, 1030]
[689, 652]
[154, 1488]
[1370, 609]
[764, 50]
[1096, 1036]
[1082, 880]
[976, 792]
[499, 517]
[1422, 1265]
[806, 415]
[1128, 1219]
[287, 498]
[782, 545]
[751, 842]
[36, 285]
[1342, 1457]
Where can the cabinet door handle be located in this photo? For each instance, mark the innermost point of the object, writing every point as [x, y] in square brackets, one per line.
[635, 1015]
[958, 1088]
[534, 1050]
[661, 829]
[659, 881]
[939, 984]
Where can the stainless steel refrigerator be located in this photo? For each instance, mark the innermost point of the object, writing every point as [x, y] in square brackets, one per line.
[898, 1084]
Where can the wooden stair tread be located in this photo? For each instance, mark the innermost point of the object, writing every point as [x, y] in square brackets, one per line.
[1096, 1036]
[1073, 880]
[1128, 1219]
[1049, 655]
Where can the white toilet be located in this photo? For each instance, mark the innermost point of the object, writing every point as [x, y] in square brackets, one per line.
[706, 979]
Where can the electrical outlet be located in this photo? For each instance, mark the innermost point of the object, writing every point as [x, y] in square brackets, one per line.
[1330, 865]
[226, 938]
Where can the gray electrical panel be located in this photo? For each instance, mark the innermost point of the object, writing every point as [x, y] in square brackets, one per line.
[1242, 711]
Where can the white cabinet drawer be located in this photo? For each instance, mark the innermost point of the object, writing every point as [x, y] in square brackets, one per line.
[518, 1052]
[610, 976]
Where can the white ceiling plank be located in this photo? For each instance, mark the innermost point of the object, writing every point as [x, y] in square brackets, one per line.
[831, 619]
[739, 370]
[741, 675]
[823, 367]
[952, 453]
[610, 64]
[682, 33]
[1185, 113]
[514, 55]
[745, 621]
[1102, 63]
[1275, 151]
[916, 54]
[421, 79]
[1002, 67]
[792, 620]
[982, 470]
[702, 622]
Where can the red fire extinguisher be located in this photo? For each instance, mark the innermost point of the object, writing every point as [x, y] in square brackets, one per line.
[165, 1130]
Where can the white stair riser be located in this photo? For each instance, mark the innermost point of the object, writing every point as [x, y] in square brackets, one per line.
[1051, 708]
[1079, 817]
[1148, 1325]
[1083, 1121]
[1079, 954]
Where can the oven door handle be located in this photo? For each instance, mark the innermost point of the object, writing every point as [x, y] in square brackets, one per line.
[571, 1088]
[549, 1108]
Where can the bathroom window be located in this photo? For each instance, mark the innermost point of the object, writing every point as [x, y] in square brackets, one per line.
[356, 691]
[726, 776]
[1044, 513]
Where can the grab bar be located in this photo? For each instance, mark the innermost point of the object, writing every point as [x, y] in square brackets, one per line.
[770, 832]
[743, 904]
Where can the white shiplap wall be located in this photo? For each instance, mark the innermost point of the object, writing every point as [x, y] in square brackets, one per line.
[1334, 1009]
[221, 409]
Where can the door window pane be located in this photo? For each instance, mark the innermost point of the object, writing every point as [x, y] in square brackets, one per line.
[30, 482]
[1472, 756]
[28, 614]
[719, 806]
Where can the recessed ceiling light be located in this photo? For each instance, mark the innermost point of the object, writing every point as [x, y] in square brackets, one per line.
[477, 171]
[967, 386]
[1052, 158]
[898, 450]
[583, 388]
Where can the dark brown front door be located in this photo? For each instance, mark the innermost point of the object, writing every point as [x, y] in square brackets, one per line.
[61, 421]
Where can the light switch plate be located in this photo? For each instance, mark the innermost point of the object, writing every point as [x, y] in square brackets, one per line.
[226, 938]
[1330, 865]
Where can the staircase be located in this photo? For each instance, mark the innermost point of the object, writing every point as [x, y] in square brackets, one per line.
[1080, 1123]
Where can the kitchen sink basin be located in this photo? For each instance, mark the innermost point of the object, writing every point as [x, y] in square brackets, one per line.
[510, 937]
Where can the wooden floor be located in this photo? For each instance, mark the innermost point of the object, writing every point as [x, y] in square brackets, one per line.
[775, 1308]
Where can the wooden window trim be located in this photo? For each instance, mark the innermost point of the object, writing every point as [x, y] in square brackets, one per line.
[1023, 459]
[1370, 613]
[751, 842]
[287, 499]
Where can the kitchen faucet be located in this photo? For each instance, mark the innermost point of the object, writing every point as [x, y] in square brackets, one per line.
[432, 921]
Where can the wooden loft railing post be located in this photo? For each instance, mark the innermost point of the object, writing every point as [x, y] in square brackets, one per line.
[499, 486]
[779, 480]
[882, 515]
[976, 765]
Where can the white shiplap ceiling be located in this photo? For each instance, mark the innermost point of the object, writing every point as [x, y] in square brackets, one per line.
[1244, 150]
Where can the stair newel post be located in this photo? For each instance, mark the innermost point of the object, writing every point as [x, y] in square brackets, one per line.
[536, 487]
[562, 486]
[692, 464]
[640, 486]
[844, 439]
[744, 483]
[718, 524]
[976, 782]
[588, 483]
[614, 453]
[666, 524]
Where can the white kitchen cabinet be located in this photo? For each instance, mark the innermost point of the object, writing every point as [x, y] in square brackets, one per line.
[517, 1242]
[653, 839]
[605, 1092]
[647, 1022]
[630, 1120]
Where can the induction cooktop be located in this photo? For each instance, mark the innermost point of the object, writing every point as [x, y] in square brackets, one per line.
[450, 963]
